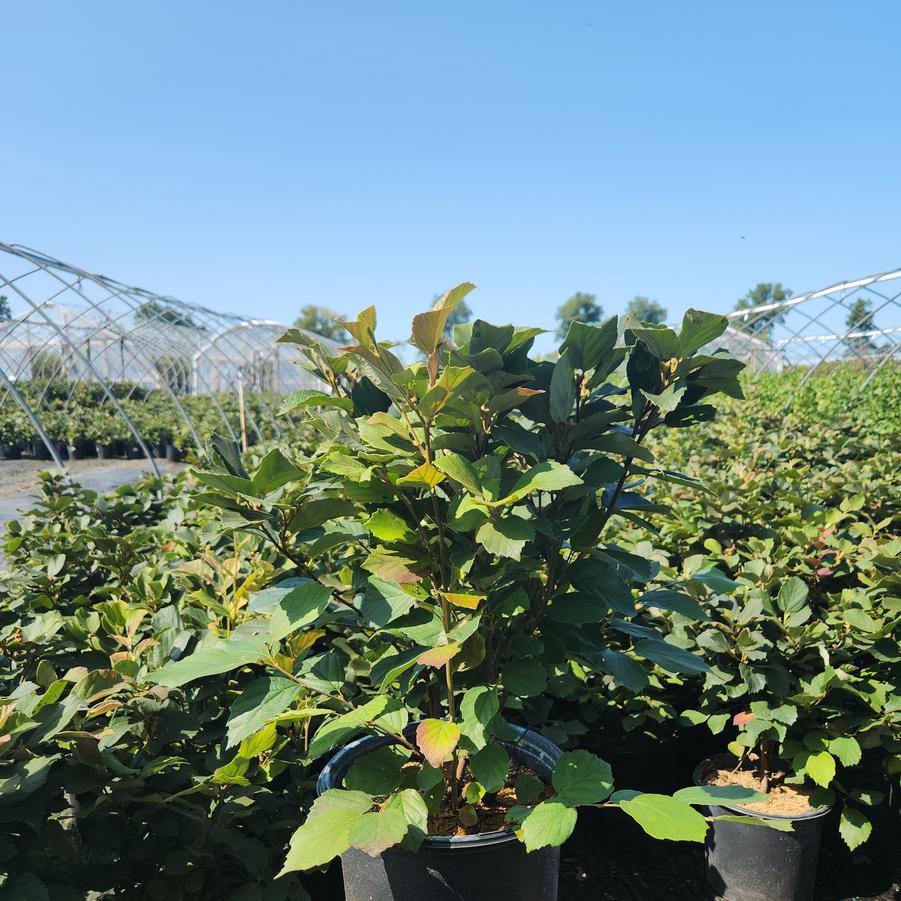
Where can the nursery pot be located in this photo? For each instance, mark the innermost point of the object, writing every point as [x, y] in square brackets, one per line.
[754, 863]
[173, 454]
[40, 451]
[10, 452]
[106, 451]
[487, 867]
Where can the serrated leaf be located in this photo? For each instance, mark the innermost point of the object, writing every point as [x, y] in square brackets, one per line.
[378, 772]
[263, 699]
[437, 740]
[821, 768]
[388, 526]
[854, 827]
[210, 660]
[846, 749]
[550, 823]
[478, 708]
[379, 830]
[524, 678]
[505, 537]
[527, 788]
[582, 778]
[664, 817]
[673, 659]
[469, 601]
[719, 794]
[546, 476]
[490, 766]
[424, 476]
[300, 607]
[383, 601]
[326, 832]
[437, 657]
[308, 397]
[778, 825]
[460, 470]
[337, 730]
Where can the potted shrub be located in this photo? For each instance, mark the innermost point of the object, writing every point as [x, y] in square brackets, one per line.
[470, 491]
[808, 689]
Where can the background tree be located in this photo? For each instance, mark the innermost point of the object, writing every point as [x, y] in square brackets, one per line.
[764, 293]
[581, 307]
[646, 310]
[860, 319]
[321, 321]
[154, 311]
[461, 313]
[5, 312]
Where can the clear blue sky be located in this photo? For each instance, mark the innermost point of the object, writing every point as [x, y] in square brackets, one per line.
[256, 157]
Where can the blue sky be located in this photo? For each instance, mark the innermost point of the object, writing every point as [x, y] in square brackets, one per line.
[256, 157]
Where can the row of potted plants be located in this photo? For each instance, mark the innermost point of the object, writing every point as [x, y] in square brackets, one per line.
[319, 615]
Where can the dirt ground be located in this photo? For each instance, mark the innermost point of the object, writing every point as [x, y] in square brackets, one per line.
[19, 478]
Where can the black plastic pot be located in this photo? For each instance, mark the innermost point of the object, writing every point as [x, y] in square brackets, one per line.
[10, 452]
[173, 454]
[754, 863]
[40, 451]
[106, 451]
[488, 867]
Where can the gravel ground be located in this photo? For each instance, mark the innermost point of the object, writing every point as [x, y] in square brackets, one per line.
[19, 478]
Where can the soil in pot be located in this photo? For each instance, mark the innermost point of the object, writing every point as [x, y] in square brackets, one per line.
[478, 867]
[756, 863]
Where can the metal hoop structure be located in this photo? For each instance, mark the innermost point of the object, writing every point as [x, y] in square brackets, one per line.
[855, 322]
[75, 344]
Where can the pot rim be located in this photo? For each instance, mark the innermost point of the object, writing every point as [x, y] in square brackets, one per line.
[697, 778]
[443, 842]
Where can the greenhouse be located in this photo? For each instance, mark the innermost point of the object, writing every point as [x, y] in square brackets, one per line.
[76, 345]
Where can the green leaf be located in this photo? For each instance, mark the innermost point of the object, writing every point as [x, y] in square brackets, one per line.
[664, 817]
[326, 832]
[460, 470]
[699, 329]
[265, 698]
[388, 526]
[311, 513]
[337, 730]
[547, 476]
[778, 825]
[478, 708]
[383, 602]
[550, 823]
[582, 778]
[308, 397]
[300, 607]
[667, 599]
[590, 345]
[490, 766]
[854, 827]
[715, 580]
[379, 830]
[416, 813]
[428, 328]
[437, 739]
[524, 678]
[821, 768]
[673, 659]
[211, 659]
[275, 471]
[846, 749]
[563, 388]
[623, 445]
[378, 772]
[505, 537]
[528, 788]
[719, 794]
[424, 476]
[24, 777]
[792, 595]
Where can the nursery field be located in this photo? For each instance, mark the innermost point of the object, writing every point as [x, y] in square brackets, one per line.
[179, 659]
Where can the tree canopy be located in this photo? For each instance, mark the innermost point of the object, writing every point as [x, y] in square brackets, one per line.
[861, 319]
[646, 310]
[763, 293]
[581, 307]
[5, 312]
[321, 321]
